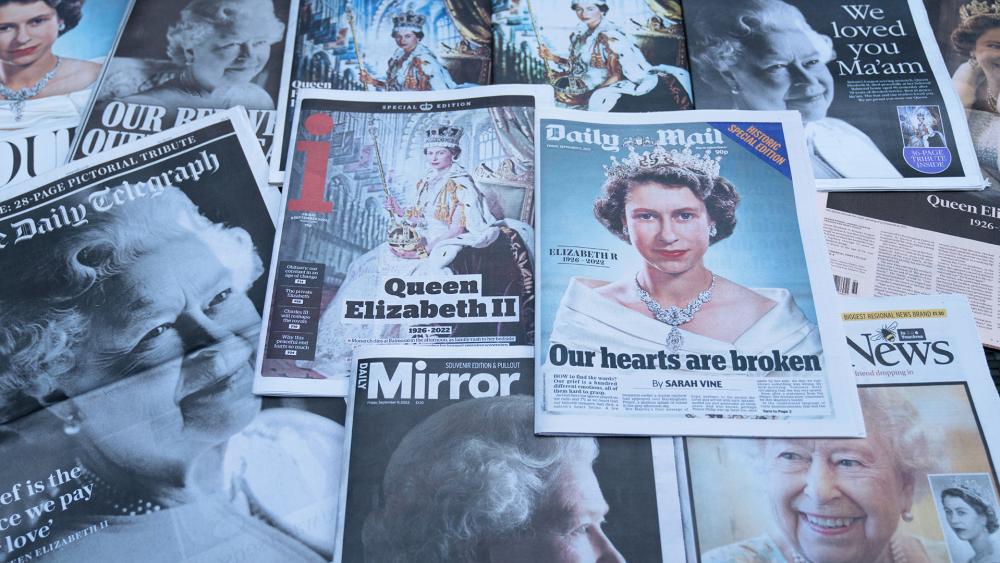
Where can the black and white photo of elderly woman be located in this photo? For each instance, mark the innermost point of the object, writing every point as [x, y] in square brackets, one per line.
[137, 331]
[844, 500]
[220, 47]
[764, 55]
[487, 490]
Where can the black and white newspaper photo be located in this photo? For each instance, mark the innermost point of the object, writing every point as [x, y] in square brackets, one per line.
[684, 288]
[613, 55]
[178, 61]
[407, 218]
[920, 488]
[51, 56]
[444, 466]
[868, 79]
[129, 317]
[385, 46]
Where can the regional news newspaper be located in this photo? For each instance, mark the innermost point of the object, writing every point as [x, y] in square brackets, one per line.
[408, 218]
[683, 279]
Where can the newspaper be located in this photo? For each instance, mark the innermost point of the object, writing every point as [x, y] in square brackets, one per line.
[683, 279]
[129, 313]
[623, 56]
[64, 54]
[382, 46]
[867, 77]
[408, 218]
[920, 488]
[178, 61]
[443, 465]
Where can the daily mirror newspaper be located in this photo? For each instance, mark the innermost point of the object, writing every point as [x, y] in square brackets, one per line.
[407, 218]
[920, 488]
[178, 61]
[444, 466]
[51, 73]
[684, 285]
[129, 313]
[867, 77]
[383, 46]
[621, 55]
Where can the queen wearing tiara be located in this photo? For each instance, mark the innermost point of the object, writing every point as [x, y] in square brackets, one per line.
[971, 513]
[413, 66]
[977, 81]
[671, 207]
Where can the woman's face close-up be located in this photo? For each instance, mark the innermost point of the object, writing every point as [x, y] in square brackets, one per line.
[783, 70]
[987, 51]
[405, 39]
[231, 59]
[27, 32]
[668, 226]
[836, 501]
[439, 158]
[171, 349]
[963, 518]
[589, 13]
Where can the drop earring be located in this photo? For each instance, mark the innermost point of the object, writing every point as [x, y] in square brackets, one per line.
[974, 62]
[62, 26]
[71, 424]
[712, 231]
[907, 516]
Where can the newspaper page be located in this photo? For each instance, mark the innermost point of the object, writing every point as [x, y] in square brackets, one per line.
[921, 488]
[867, 77]
[620, 55]
[684, 285]
[383, 46]
[444, 466]
[179, 61]
[129, 313]
[407, 218]
[48, 78]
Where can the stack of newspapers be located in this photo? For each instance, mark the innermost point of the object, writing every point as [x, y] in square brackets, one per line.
[508, 281]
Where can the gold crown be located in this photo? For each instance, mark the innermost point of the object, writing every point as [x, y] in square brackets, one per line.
[706, 163]
[979, 8]
[409, 20]
[973, 489]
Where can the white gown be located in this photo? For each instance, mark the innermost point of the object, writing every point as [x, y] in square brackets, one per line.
[39, 112]
[844, 151]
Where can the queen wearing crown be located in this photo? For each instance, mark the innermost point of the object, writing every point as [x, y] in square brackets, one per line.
[671, 207]
[971, 513]
[413, 66]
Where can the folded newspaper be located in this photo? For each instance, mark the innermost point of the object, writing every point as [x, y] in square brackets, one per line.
[921, 488]
[867, 78]
[684, 284]
[129, 312]
[407, 218]
[444, 466]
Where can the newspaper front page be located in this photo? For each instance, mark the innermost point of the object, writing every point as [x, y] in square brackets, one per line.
[175, 62]
[867, 78]
[684, 284]
[129, 312]
[921, 487]
[382, 46]
[444, 465]
[408, 218]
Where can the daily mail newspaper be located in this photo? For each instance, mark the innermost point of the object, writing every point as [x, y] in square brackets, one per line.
[178, 61]
[920, 488]
[684, 285]
[407, 218]
[129, 311]
[444, 466]
[51, 73]
[382, 46]
[867, 77]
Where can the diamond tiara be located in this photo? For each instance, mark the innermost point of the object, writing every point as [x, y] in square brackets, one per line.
[973, 489]
[979, 8]
[706, 163]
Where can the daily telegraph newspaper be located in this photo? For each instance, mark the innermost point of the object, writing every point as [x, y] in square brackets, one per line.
[51, 73]
[444, 466]
[383, 46]
[867, 77]
[129, 313]
[921, 488]
[175, 62]
[408, 218]
[684, 286]
[619, 55]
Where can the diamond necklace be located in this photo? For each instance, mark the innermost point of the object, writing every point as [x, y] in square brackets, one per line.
[673, 315]
[21, 95]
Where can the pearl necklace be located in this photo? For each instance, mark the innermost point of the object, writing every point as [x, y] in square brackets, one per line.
[898, 556]
[673, 315]
[21, 95]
